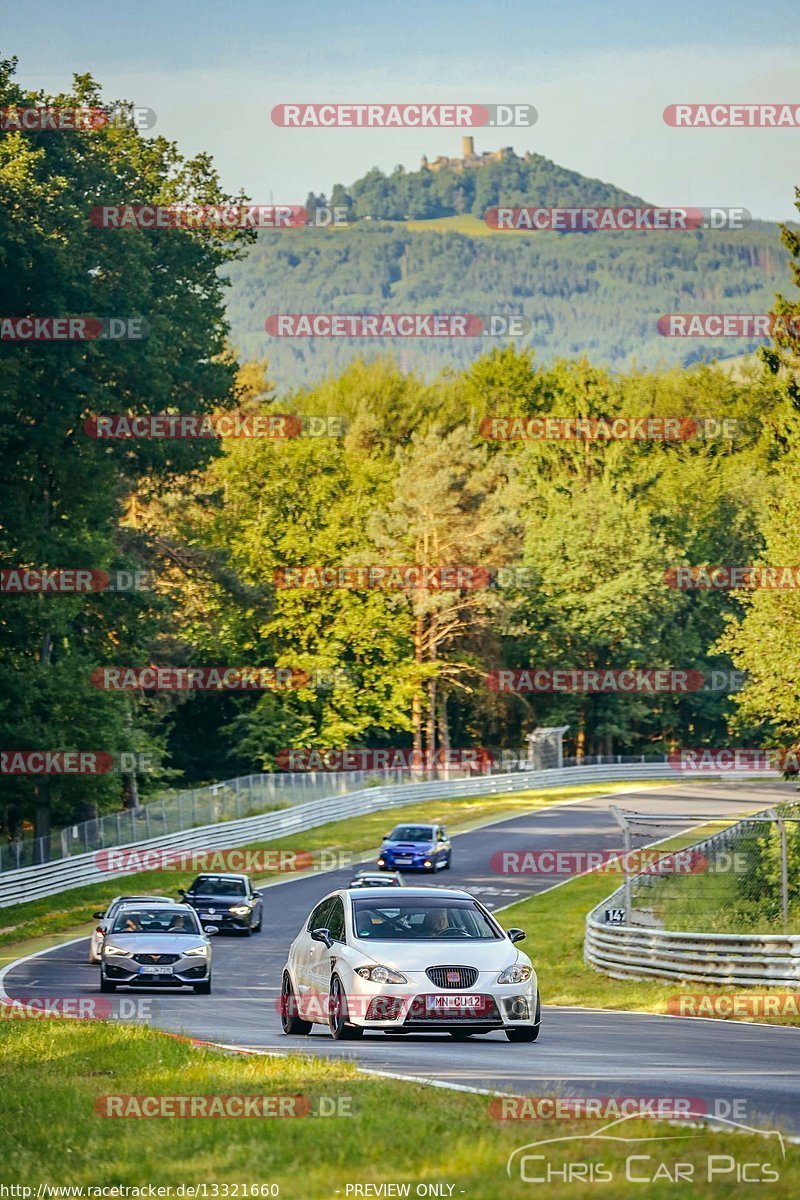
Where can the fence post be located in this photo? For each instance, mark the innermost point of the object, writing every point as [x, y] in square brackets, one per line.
[784, 876]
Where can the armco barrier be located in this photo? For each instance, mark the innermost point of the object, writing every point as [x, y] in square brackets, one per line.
[644, 952]
[48, 879]
[628, 952]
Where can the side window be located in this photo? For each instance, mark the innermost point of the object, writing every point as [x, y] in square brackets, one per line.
[336, 920]
[319, 917]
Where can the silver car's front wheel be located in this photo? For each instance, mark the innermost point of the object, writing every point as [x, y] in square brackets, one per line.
[340, 1027]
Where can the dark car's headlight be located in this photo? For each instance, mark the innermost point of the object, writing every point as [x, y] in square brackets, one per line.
[240, 910]
[381, 975]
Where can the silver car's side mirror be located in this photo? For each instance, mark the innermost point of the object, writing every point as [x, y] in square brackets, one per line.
[322, 935]
[516, 935]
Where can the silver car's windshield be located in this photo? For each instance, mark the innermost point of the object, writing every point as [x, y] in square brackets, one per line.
[156, 920]
[421, 920]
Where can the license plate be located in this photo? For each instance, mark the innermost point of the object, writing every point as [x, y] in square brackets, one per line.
[450, 1003]
[145, 969]
[403, 861]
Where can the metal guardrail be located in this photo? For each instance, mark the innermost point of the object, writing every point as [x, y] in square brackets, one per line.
[246, 796]
[48, 879]
[645, 952]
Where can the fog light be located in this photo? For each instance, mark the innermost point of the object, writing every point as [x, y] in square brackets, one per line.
[516, 1008]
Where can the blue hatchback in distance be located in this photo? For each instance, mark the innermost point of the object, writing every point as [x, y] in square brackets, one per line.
[415, 848]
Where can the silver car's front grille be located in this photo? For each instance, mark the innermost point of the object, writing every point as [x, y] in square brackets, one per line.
[156, 959]
[452, 977]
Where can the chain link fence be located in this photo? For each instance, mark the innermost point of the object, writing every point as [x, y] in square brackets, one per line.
[744, 877]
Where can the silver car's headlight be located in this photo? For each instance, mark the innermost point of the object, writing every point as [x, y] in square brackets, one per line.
[515, 974]
[380, 975]
[117, 950]
[239, 910]
[200, 951]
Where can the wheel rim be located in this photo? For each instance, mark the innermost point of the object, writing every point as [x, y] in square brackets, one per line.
[286, 1003]
[336, 1009]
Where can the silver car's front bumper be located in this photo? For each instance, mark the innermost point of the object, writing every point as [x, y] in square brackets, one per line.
[184, 971]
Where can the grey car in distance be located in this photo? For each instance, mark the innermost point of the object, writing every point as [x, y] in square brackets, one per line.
[157, 945]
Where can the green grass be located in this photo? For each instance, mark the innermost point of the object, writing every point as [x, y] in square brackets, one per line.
[555, 922]
[25, 928]
[55, 1071]
[464, 223]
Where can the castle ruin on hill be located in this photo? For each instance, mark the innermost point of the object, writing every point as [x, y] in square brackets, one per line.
[469, 158]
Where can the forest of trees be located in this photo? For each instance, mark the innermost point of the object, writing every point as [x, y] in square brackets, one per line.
[411, 480]
[596, 295]
[511, 180]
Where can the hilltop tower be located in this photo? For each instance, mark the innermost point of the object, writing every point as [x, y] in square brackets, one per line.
[467, 147]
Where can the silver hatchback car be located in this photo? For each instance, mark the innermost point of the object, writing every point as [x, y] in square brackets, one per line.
[156, 945]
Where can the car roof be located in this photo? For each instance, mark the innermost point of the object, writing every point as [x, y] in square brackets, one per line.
[161, 904]
[410, 893]
[144, 896]
[223, 875]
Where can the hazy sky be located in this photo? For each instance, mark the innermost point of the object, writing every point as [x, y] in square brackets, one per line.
[599, 74]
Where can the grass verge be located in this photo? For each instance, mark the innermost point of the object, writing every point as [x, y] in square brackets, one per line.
[57, 1071]
[26, 928]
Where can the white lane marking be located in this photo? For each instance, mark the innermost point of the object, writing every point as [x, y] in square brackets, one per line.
[460, 1087]
[28, 957]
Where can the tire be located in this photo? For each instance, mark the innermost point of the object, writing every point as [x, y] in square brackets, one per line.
[446, 866]
[106, 985]
[202, 989]
[257, 928]
[247, 931]
[341, 1029]
[290, 1021]
[527, 1033]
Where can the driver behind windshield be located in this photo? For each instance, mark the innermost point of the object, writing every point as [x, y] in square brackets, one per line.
[435, 922]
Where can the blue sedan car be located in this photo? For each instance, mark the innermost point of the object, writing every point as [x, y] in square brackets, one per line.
[415, 848]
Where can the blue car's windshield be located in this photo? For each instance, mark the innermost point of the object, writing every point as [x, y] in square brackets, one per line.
[412, 833]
